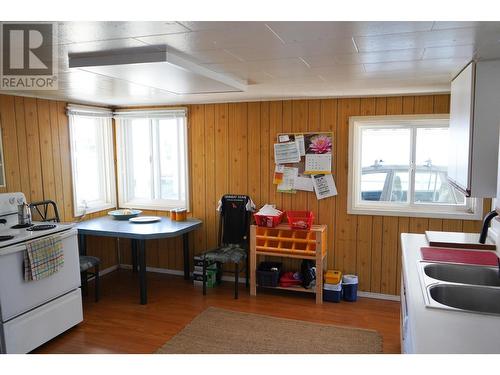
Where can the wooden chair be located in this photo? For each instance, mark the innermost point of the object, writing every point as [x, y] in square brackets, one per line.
[47, 211]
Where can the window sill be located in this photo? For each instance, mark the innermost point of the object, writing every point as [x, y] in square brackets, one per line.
[151, 206]
[477, 215]
[95, 209]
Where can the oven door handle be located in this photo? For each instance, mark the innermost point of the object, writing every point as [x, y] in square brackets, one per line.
[22, 246]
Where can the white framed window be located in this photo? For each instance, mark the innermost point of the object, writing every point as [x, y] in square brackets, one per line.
[398, 167]
[152, 159]
[92, 155]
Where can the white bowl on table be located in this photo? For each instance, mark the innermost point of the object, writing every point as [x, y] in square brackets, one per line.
[124, 214]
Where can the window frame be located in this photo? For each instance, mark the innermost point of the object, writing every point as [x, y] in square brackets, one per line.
[106, 150]
[123, 159]
[473, 208]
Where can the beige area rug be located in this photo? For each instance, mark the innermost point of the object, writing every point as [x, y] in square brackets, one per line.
[218, 331]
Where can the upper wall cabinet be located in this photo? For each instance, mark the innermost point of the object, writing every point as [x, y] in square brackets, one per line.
[474, 129]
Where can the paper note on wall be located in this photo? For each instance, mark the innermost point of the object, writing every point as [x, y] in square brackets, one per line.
[287, 152]
[318, 163]
[289, 177]
[303, 183]
[283, 138]
[318, 148]
[299, 138]
[278, 174]
[324, 185]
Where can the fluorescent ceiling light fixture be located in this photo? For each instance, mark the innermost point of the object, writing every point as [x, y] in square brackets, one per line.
[156, 67]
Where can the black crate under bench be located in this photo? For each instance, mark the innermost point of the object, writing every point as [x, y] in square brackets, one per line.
[282, 241]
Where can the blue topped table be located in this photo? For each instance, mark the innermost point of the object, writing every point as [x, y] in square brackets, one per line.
[138, 232]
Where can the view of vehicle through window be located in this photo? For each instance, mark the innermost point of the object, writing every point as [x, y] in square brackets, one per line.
[387, 155]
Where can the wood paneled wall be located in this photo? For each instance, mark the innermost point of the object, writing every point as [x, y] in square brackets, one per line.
[37, 159]
[231, 152]
[230, 149]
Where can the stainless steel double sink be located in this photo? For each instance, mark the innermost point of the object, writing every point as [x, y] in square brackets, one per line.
[461, 287]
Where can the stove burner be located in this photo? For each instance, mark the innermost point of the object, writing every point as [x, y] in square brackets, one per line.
[19, 226]
[6, 238]
[42, 227]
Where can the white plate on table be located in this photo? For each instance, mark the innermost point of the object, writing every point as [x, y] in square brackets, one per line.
[145, 219]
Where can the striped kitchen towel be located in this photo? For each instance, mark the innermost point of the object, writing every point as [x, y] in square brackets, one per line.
[42, 258]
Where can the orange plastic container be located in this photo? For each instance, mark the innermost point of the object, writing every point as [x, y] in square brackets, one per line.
[333, 277]
[181, 214]
[173, 214]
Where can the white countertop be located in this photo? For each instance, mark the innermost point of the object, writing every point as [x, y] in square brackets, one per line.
[434, 330]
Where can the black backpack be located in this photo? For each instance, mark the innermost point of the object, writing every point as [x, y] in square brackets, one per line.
[308, 271]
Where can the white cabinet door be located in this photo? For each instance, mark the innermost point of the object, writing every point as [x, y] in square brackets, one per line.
[474, 129]
[486, 129]
[461, 122]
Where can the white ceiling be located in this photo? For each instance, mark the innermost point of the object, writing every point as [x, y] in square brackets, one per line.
[280, 59]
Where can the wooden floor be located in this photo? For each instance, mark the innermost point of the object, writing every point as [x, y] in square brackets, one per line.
[119, 324]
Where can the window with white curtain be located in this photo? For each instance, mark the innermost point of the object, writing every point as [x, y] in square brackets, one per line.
[399, 165]
[91, 138]
[152, 159]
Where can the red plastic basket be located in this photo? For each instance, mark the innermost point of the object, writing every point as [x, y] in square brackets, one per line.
[267, 221]
[300, 219]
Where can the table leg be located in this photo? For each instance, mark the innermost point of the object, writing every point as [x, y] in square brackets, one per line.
[82, 244]
[185, 249]
[236, 281]
[320, 259]
[134, 255]
[253, 262]
[142, 270]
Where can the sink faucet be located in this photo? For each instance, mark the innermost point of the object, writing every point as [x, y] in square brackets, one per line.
[486, 224]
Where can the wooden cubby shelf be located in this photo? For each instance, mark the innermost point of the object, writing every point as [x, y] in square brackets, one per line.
[282, 241]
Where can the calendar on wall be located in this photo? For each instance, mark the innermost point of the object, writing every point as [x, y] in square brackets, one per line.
[304, 162]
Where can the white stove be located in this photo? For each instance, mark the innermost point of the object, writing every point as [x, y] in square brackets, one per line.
[34, 312]
[8, 213]
[25, 234]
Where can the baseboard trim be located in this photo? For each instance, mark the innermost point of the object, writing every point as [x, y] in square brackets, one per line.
[177, 272]
[105, 271]
[108, 270]
[156, 270]
[388, 297]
